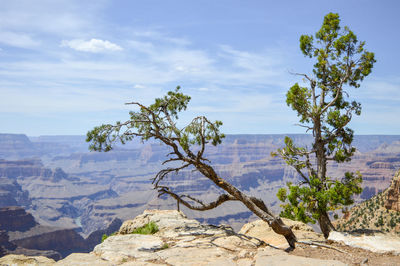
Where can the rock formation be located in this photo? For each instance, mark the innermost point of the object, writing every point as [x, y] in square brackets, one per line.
[15, 219]
[393, 194]
[94, 188]
[5, 244]
[262, 231]
[95, 237]
[180, 241]
[21, 234]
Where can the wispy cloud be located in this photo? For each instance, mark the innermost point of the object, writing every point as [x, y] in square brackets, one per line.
[21, 40]
[78, 57]
[92, 46]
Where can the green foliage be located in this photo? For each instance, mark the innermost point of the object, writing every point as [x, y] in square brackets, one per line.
[380, 221]
[105, 236]
[324, 108]
[307, 203]
[148, 229]
[392, 222]
[165, 246]
[158, 121]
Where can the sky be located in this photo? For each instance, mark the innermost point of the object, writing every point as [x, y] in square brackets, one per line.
[67, 66]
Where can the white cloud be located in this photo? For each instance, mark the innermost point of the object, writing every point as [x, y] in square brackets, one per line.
[92, 46]
[139, 86]
[22, 40]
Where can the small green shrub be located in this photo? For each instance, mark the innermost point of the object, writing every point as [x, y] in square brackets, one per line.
[165, 246]
[147, 229]
[105, 236]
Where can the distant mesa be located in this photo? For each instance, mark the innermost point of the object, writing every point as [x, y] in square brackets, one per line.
[29, 167]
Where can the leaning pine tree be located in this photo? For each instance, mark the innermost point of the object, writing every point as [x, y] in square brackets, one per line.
[187, 146]
[325, 109]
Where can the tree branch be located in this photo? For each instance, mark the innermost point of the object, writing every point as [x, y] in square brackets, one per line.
[203, 207]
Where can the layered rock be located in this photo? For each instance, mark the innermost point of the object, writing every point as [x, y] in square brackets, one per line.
[12, 194]
[64, 241]
[16, 219]
[28, 168]
[393, 194]
[21, 234]
[16, 146]
[5, 244]
[102, 186]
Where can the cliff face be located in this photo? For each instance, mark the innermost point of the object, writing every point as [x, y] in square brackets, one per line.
[5, 244]
[21, 234]
[64, 241]
[16, 146]
[12, 194]
[28, 168]
[15, 219]
[393, 194]
[94, 188]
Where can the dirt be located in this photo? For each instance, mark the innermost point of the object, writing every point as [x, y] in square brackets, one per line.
[349, 255]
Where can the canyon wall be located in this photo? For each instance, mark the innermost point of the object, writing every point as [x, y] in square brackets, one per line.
[85, 191]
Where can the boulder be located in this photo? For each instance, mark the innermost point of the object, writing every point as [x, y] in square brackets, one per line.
[261, 230]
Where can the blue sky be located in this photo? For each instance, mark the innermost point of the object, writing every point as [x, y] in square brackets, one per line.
[67, 66]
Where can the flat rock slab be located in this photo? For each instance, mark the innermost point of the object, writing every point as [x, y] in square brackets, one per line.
[88, 259]
[380, 243]
[196, 256]
[261, 230]
[26, 260]
[122, 248]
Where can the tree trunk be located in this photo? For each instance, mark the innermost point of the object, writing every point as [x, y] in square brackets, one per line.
[255, 205]
[325, 224]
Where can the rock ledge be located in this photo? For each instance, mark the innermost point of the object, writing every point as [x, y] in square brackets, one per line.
[179, 241]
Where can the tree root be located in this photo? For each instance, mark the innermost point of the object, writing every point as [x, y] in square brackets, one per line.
[310, 243]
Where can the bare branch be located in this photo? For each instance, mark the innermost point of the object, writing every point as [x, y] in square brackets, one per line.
[203, 207]
[301, 74]
[164, 172]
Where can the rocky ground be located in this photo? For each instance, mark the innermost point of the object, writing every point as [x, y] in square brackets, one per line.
[182, 241]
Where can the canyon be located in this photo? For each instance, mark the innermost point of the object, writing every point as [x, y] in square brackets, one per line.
[63, 185]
